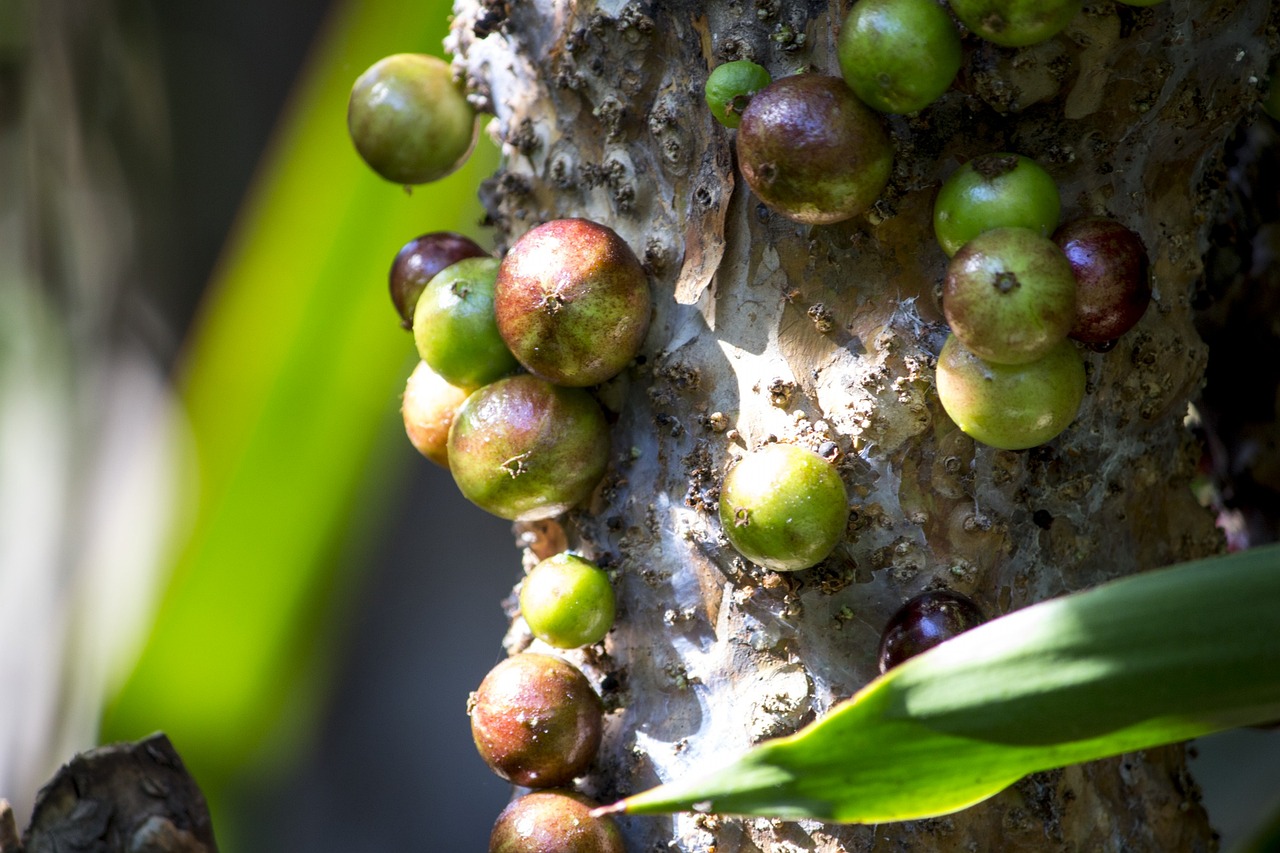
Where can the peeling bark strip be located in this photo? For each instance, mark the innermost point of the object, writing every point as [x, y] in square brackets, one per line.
[599, 108]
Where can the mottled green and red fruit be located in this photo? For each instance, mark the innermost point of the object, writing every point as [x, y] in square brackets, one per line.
[454, 327]
[995, 191]
[1113, 283]
[812, 151]
[536, 721]
[524, 449]
[409, 120]
[428, 407]
[572, 302]
[1016, 23]
[567, 601]
[783, 507]
[1010, 406]
[1009, 295]
[925, 621]
[730, 88]
[417, 263]
[898, 56]
[554, 822]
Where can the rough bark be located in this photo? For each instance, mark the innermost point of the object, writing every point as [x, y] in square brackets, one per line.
[827, 337]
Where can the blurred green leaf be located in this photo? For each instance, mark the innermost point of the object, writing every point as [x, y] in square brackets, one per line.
[1154, 659]
[291, 379]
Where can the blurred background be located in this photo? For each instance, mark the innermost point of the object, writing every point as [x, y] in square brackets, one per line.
[210, 520]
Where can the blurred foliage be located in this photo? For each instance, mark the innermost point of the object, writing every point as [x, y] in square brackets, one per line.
[291, 382]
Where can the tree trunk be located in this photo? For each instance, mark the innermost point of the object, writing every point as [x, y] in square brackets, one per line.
[827, 336]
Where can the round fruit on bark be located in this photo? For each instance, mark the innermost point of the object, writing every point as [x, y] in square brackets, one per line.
[1009, 295]
[898, 56]
[524, 449]
[1010, 407]
[1113, 284]
[730, 88]
[409, 120]
[417, 263]
[925, 621]
[783, 507]
[812, 151]
[428, 408]
[554, 822]
[1016, 23]
[572, 302]
[454, 326]
[536, 721]
[567, 601]
[995, 191]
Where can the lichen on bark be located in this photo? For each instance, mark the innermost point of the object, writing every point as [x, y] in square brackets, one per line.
[827, 336]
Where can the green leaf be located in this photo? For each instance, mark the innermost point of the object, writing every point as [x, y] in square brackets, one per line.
[291, 385]
[1153, 659]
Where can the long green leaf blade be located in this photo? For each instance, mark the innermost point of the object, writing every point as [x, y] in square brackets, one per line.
[1149, 660]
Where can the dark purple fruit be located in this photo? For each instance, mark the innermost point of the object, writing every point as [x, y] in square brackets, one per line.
[524, 449]
[536, 721]
[572, 302]
[1113, 285]
[812, 151]
[925, 621]
[419, 261]
[554, 822]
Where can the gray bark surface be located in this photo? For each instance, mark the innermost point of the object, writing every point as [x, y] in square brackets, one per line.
[827, 336]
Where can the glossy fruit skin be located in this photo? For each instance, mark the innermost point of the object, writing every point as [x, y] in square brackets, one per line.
[454, 327]
[417, 263]
[783, 507]
[536, 721]
[994, 191]
[554, 822]
[925, 621]
[428, 407]
[567, 601]
[1009, 295]
[1113, 278]
[810, 150]
[572, 302]
[898, 56]
[1016, 23]
[1010, 407]
[409, 120]
[524, 449]
[730, 88]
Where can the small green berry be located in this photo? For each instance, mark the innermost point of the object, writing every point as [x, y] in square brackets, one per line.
[1010, 295]
[1010, 407]
[572, 302]
[409, 120]
[524, 449]
[567, 601]
[783, 507]
[454, 326]
[1016, 23]
[554, 822]
[536, 721]
[809, 149]
[428, 407]
[992, 191]
[898, 56]
[730, 88]
[417, 263]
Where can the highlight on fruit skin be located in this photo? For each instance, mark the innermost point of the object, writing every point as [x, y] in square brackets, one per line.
[923, 622]
[1113, 277]
[730, 88]
[554, 821]
[409, 119]
[454, 329]
[567, 601]
[428, 407]
[417, 263]
[993, 191]
[899, 56]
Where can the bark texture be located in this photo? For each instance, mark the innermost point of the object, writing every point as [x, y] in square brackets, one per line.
[827, 337]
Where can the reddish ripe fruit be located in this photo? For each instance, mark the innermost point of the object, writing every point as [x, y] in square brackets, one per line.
[925, 621]
[554, 822]
[572, 302]
[1113, 285]
[536, 721]
[812, 151]
[418, 262]
[428, 408]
